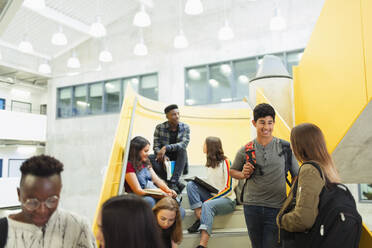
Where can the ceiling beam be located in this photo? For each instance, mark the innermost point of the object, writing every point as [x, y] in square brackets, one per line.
[60, 18]
[15, 47]
[8, 14]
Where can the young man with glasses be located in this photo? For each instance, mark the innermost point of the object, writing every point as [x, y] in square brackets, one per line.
[40, 223]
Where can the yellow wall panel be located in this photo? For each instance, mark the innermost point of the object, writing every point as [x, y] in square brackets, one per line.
[329, 82]
[367, 34]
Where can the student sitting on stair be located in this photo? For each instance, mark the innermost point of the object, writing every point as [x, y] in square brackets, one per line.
[205, 204]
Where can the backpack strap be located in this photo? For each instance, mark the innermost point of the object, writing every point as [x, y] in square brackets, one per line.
[287, 152]
[3, 231]
[314, 164]
[250, 156]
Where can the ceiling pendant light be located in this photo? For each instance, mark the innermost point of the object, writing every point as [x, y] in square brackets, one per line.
[193, 7]
[180, 40]
[226, 32]
[35, 4]
[73, 62]
[105, 56]
[277, 22]
[97, 29]
[142, 19]
[59, 38]
[45, 68]
[25, 46]
[140, 48]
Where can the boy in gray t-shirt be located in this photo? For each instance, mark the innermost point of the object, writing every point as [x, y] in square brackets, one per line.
[264, 192]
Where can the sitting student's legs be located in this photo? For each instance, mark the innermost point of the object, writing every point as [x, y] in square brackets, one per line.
[181, 159]
[197, 195]
[254, 220]
[212, 208]
[158, 167]
[150, 200]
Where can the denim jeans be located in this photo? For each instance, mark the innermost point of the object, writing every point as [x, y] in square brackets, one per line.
[180, 157]
[261, 224]
[152, 201]
[197, 197]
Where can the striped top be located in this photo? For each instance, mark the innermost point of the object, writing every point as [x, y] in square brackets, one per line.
[63, 230]
[221, 179]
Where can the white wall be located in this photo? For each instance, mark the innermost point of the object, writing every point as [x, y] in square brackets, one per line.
[83, 144]
[36, 97]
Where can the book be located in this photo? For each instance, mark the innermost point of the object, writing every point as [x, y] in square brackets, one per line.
[154, 192]
[203, 184]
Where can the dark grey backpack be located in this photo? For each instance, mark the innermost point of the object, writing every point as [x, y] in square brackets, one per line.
[3, 231]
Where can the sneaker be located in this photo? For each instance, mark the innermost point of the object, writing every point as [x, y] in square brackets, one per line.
[174, 187]
[195, 227]
[180, 186]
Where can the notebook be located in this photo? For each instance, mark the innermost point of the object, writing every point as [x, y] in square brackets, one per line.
[202, 183]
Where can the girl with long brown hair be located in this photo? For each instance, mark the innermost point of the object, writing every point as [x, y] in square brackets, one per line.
[309, 146]
[205, 204]
[168, 215]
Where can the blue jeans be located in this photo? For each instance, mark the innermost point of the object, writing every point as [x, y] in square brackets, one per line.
[261, 224]
[197, 197]
[152, 201]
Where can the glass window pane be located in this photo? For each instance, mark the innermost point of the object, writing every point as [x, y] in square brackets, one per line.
[220, 82]
[149, 86]
[134, 83]
[80, 102]
[245, 70]
[365, 192]
[21, 106]
[64, 103]
[13, 167]
[293, 59]
[95, 98]
[196, 86]
[112, 100]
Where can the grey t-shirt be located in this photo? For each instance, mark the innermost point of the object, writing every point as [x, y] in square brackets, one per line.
[269, 189]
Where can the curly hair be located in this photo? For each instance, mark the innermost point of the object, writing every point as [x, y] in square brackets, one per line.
[41, 166]
[262, 110]
[215, 152]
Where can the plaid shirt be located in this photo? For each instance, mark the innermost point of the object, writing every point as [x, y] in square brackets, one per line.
[162, 137]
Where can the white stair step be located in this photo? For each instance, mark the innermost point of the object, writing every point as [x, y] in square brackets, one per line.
[220, 238]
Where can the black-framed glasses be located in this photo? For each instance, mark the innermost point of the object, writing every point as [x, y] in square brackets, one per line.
[32, 204]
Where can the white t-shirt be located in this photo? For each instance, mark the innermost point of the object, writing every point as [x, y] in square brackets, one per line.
[63, 230]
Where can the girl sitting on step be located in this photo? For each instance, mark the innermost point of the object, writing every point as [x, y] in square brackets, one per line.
[168, 216]
[205, 204]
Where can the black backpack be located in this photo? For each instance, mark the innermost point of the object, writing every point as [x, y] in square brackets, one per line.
[338, 223]
[3, 231]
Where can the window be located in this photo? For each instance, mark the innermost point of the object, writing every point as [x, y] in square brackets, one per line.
[103, 97]
[365, 192]
[13, 167]
[197, 90]
[95, 98]
[112, 99]
[227, 81]
[293, 58]
[245, 70]
[21, 106]
[80, 104]
[2, 103]
[65, 102]
[149, 86]
[43, 109]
